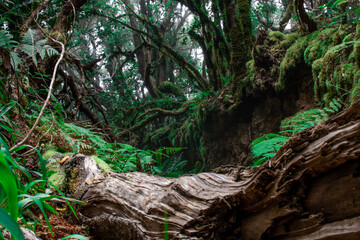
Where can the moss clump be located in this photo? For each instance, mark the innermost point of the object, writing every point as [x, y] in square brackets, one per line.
[335, 62]
[251, 68]
[320, 43]
[169, 87]
[339, 35]
[339, 74]
[289, 40]
[49, 153]
[53, 158]
[58, 177]
[276, 36]
[102, 164]
[293, 57]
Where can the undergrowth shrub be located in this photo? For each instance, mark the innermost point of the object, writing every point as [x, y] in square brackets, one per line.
[20, 191]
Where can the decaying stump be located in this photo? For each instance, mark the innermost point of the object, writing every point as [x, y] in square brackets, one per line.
[309, 190]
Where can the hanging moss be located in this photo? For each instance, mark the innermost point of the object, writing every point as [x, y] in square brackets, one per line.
[251, 68]
[335, 62]
[293, 57]
[338, 76]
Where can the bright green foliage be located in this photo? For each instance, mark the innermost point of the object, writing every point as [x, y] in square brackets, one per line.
[82, 139]
[303, 120]
[11, 225]
[289, 40]
[266, 146]
[8, 44]
[168, 164]
[126, 158]
[18, 196]
[333, 55]
[8, 192]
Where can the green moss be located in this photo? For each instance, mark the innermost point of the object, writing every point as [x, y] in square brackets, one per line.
[251, 68]
[289, 40]
[293, 57]
[356, 54]
[355, 93]
[58, 177]
[334, 66]
[319, 43]
[49, 154]
[102, 164]
[339, 35]
[276, 36]
[50, 151]
[348, 38]
[169, 87]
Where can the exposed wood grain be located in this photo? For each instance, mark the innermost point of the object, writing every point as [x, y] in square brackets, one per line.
[309, 190]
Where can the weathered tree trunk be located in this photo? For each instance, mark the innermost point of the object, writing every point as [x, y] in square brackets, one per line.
[309, 190]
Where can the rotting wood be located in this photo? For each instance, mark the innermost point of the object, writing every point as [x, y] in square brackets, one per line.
[309, 190]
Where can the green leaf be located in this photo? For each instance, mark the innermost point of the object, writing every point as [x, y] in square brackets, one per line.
[77, 236]
[15, 60]
[8, 182]
[11, 225]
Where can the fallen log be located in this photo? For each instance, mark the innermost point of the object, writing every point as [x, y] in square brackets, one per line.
[309, 190]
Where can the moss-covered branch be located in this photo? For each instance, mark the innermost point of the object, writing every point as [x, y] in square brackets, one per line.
[155, 113]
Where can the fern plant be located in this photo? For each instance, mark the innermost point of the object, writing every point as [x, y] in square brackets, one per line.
[266, 146]
[7, 44]
[29, 45]
[82, 139]
[35, 48]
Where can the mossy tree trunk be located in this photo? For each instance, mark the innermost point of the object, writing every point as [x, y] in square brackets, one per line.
[307, 24]
[309, 190]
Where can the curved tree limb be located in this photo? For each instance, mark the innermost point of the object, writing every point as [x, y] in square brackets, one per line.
[156, 113]
[33, 14]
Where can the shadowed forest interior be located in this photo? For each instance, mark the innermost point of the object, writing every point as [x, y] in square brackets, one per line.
[179, 119]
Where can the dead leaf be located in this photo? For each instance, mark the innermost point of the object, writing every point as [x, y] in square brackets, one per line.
[88, 181]
[64, 160]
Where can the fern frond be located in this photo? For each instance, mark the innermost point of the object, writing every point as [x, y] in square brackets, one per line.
[6, 40]
[266, 144]
[15, 60]
[33, 49]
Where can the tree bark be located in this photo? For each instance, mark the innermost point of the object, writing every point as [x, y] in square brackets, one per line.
[309, 190]
[306, 23]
